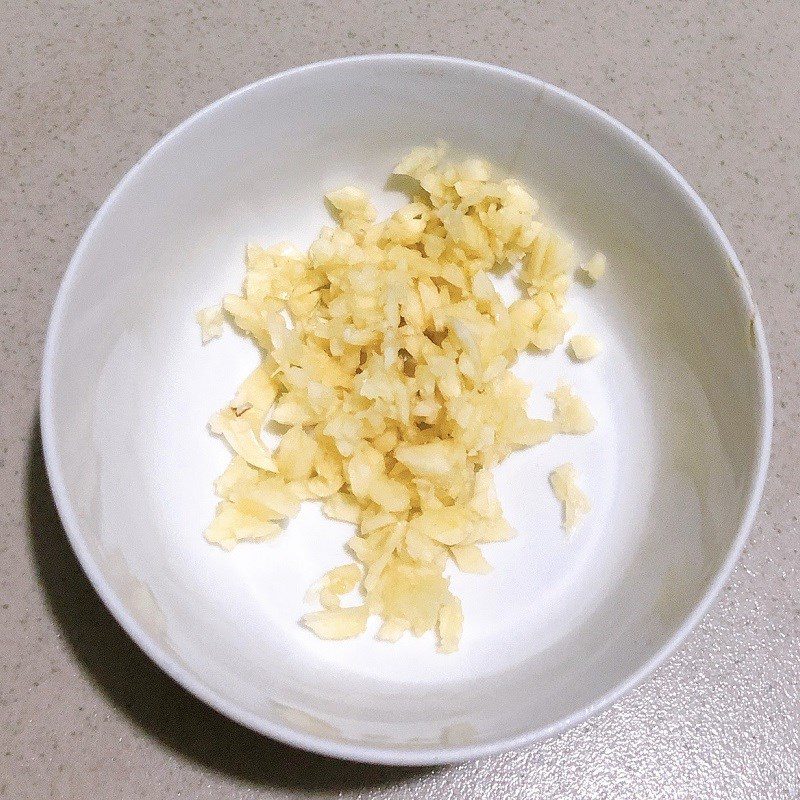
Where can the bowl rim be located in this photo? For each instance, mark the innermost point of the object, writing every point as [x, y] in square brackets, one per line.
[410, 756]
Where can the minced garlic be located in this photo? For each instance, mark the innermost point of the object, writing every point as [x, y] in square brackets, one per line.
[584, 347]
[210, 320]
[595, 267]
[563, 479]
[386, 364]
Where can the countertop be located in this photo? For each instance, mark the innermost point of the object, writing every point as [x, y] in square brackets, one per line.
[88, 87]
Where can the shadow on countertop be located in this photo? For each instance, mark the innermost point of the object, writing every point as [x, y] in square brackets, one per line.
[136, 686]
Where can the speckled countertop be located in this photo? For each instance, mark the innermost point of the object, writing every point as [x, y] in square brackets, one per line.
[88, 87]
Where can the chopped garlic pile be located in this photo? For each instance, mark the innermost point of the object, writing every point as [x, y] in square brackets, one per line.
[386, 365]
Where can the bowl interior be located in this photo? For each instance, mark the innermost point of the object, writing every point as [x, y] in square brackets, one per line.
[562, 622]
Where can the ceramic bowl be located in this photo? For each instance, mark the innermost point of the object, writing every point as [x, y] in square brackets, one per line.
[564, 625]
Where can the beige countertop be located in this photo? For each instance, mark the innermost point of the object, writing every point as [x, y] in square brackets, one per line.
[88, 87]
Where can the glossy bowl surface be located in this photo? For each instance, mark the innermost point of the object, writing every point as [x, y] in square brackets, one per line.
[563, 626]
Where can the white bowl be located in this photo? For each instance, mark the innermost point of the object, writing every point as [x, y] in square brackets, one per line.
[563, 627]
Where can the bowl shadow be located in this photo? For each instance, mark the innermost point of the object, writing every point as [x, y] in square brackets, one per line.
[148, 696]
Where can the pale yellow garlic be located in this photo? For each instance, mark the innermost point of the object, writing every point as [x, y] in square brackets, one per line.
[386, 372]
[576, 504]
[584, 348]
